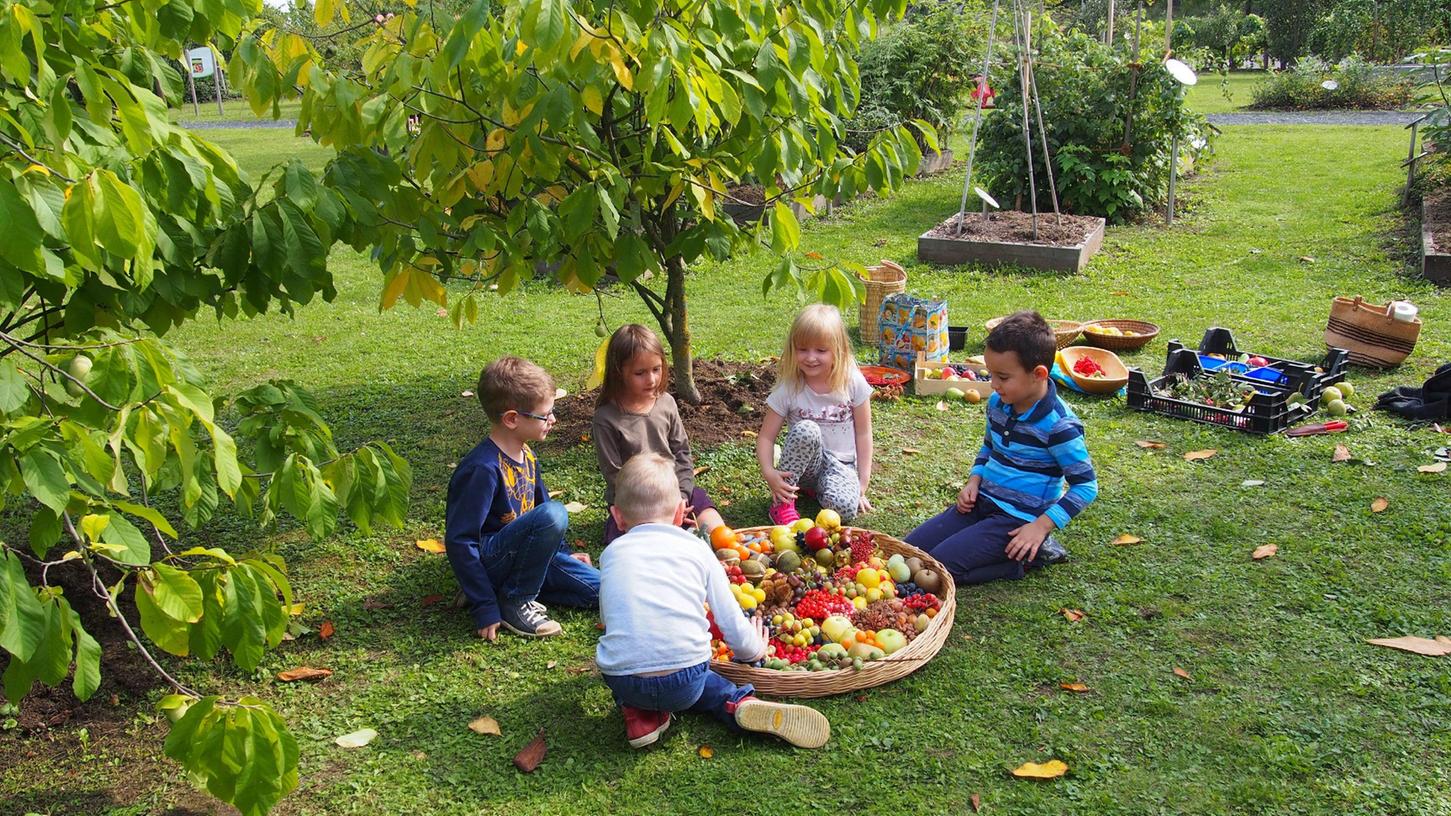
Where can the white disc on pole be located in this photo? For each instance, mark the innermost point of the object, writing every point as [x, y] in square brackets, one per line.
[1330, 85]
[1181, 72]
[987, 199]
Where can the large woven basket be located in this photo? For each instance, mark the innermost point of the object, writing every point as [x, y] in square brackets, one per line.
[839, 681]
[886, 278]
[1369, 333]
[1064, 331]
[1144, 331]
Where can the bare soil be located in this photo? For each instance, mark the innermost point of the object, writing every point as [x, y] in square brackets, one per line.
[1011, 226]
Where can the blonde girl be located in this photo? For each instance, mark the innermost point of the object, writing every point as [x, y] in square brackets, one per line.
[635, 414]
[825, 403]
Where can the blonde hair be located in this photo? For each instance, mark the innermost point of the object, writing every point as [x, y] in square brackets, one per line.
[627, 341]
[647, 489]
[821, 324]
[513, 384]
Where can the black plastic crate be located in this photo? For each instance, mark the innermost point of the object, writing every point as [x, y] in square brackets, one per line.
[1310, 382]
[1269, 410]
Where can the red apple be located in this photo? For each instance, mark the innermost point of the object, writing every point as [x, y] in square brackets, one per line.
[816, 538]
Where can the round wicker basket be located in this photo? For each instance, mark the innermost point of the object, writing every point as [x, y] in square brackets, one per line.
[839, 681]
[1064, 331]
[1144, 331]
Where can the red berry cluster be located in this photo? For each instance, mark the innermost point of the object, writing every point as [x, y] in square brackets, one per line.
[793, 653]
[848, 573]
[923, 602]
[862, 546]
[734, 574]
[819, 604]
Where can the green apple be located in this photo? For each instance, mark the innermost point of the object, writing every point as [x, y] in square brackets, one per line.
[1337, 407]
[783, 539]
[837, 627]
[891, 640]
[899, 570]
[953, 393]
[1330, 395]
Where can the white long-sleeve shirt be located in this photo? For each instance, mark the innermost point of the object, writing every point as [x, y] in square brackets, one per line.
[655, 581]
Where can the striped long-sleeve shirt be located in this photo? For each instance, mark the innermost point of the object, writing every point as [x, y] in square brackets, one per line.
[1026, 458]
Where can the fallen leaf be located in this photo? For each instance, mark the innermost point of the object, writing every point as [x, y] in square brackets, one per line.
[1073, 615]
[357, 739]
[1076, 688]
[1199, 455]
[575, 507]
[303, 673]
[976, 801]
[1120, 293]
[910, 451]
[1436, 468]
[1342, 454]
[700, 470]
[532, 754]
[1126, 539]
[724, 502]
[941, 406]
[1264, 551]
[1380, 504]
[466, 393]
[430, 600]
[749, 434]
[1418, 645]
[1255, 251]
[1307, 259]
[326, 630]
[705, 752]
[1181, 673]
[295, 610]
[374, 603]
[860, 698]
[1151, 444]
[1052, 769]
[432, 545]
[554, 494]
[485, 725]
[551, 664]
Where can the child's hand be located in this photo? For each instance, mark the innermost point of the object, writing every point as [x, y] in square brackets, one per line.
[1028, 538]
[583, 558]
[490, 632]
[689, 521]
[782, 491]
[967, 498]
[862, 505]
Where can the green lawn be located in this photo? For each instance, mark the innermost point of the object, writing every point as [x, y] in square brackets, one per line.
[1220, 93]
[1288, 711]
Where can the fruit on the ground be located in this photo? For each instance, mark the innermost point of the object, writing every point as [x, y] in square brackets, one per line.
[891, 640]
[722, 536]
[1295, 399]
[927, 579]
[1346, 389]
[1337, 408]
[972, 397]
[79, 369]
[816, 539]
[953, 393]
[1330, 395]
[829, 519]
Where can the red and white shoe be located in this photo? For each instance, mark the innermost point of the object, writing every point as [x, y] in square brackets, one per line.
[783, 513]
[643, 727]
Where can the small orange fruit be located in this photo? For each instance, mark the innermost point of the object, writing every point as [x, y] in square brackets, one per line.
[723, 537]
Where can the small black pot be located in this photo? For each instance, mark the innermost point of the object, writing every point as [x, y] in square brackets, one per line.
[956, 338]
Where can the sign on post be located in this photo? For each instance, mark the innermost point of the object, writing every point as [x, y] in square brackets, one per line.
[201, 62]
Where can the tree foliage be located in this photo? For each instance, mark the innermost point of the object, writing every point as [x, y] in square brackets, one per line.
[120, 226]
[592, 139]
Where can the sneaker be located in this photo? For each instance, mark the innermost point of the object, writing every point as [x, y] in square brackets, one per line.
[802, 726]
[783, 513]
[643, 727]
[1050, 552]
[528, 619]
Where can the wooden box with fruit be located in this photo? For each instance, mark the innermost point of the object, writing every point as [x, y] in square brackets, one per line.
[968, 379]
[846, 608]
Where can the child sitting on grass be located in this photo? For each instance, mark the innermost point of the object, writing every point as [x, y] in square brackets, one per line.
[504, 536]
[1014, 498]
[655, 581]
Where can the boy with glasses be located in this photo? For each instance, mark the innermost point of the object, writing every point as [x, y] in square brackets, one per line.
[504, 536]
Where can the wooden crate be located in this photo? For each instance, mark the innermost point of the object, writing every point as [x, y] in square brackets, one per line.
[925, 387]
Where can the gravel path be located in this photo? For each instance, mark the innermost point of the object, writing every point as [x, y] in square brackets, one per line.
[240, 124]
[1314, 118]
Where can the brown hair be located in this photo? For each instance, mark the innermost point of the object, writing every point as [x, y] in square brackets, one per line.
[1027, 335]
[627, 341]
[513, 384]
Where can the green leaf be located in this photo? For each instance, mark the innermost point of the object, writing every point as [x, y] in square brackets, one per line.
[22, 243]
[176, 593]
[165, 631]
[22, 616]
[243, 753]
[148, 513]
[121, 224]
[45, 478]
[88, 663]
[14, 392]
[44, 530]
[135, 549]
[785, 229]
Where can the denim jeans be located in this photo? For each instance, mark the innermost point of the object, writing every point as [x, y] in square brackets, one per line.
[529, 559]
[973, 545]
[695, 688]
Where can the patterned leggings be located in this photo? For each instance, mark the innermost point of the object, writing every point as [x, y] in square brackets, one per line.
[813, 468]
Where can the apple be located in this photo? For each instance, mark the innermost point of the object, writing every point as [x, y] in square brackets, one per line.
[837, 627]
[816, 538]
[783, 539]
[953, 393]
[891, 640]
[830, 519]
[899, 571]
[802, 525]
[1257, 362]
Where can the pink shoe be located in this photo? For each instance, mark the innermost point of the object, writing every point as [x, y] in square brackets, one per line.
[643, 727]
[783, 513]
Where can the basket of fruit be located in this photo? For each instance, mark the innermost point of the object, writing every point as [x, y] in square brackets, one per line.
[1064, 331]
[845, 608]
[1120, 335]
[1097, 371]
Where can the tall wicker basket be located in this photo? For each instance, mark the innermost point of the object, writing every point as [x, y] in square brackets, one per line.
[895, 666]
[1369, 333]
[886, 278]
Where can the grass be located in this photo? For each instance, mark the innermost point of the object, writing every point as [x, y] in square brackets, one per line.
[1288, 711]
[1223, 93]
[233, 110]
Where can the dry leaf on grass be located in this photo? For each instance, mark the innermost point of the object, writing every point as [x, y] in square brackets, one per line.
[303, 673]
[1181, 673]
[327, 630]
[1252, 483]
[749, 434]
[1126, 539]
[575, 507]
[532, 754]
[1151, 444]
[373, 603]
[701, 469]
[1307, 259]
[976, 801]
[1341, 454]
[705, 752]
[1052, 769]
[1436, 468]
[554, 494]
[432, 545]
[1380, 504]
[551, 664]
[1264, 551]
[910, 451]
[1440, 647]
[485, 725]
[1199, 455]
[1076, 688]
[357, 739]
[1073, 615]
[466, 394]
[430, 600]
[941, 406]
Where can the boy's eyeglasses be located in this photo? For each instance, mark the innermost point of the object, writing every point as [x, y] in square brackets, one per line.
[541, 417]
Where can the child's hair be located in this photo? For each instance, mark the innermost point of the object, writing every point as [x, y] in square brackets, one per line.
[627, 341]
[513, 384]
[1026, 334]
[647, 489]
[821, 324]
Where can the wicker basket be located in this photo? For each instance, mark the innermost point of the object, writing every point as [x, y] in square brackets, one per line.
[1143, 333]
[887, 278]
[878, 672]
[1368, 331]
[1065, 331]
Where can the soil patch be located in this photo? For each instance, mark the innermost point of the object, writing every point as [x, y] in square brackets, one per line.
[1438, 221]
[1011, 226]
[733, 399]
[752, 194]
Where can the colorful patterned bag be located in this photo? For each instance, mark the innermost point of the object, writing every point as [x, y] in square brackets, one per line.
[907, 325]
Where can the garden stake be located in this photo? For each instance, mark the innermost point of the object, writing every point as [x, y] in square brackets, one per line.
[1133, 84]
[1043, 134]
[977, 122]
[1020, 36]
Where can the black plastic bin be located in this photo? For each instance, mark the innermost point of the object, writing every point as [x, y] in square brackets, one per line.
[1269, 410]
[1219, 340]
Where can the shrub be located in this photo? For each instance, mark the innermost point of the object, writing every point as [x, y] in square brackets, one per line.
[1084, 87]
[1359, 86]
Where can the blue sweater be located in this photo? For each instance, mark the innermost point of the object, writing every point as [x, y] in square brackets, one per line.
[487, 491]
[1025, 459]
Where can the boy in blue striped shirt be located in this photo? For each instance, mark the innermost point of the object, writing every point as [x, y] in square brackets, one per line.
[1014, 499]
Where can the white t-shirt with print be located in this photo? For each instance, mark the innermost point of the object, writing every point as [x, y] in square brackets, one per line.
[833, 412]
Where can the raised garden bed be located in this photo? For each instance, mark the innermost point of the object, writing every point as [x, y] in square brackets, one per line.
[934, 163]
[749, 205]
[1006, 239]
[1436, 240]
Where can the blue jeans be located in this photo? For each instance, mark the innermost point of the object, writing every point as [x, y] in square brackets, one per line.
[973, 545]
[529, 559]
[695, 688]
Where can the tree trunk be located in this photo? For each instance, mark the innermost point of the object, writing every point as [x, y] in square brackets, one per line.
[677, 333]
